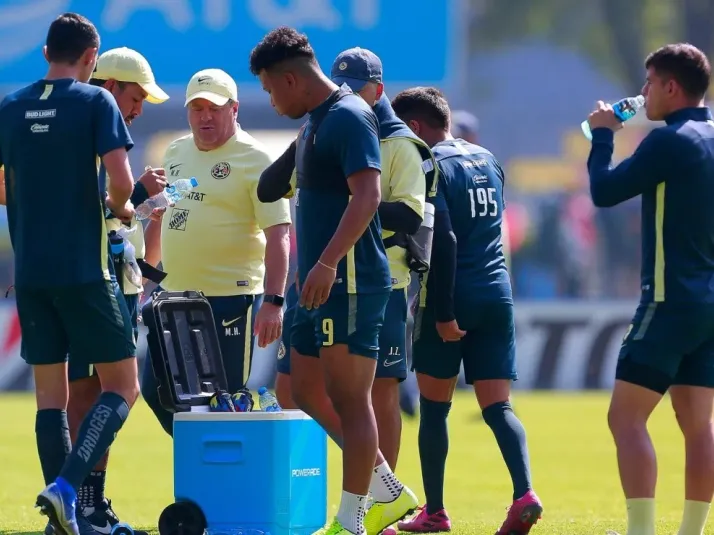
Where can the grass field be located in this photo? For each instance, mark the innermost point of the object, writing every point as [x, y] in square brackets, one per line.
[572, 456]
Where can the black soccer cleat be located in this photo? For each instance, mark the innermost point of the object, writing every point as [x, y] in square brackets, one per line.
[103, 518]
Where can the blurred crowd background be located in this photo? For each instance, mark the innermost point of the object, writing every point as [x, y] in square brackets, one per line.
[524, 73]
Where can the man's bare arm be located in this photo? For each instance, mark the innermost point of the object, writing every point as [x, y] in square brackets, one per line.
[121, 184]
[152, 243]
[277, 258]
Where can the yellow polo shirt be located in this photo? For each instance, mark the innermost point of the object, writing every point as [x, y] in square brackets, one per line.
[213, 240]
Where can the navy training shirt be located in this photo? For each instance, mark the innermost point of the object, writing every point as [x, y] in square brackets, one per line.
[340, 138]
[51, 133]
[673, 170]
[471, 191]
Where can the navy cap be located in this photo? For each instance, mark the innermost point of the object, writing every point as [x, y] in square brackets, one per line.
[355, 67]
[463, 123]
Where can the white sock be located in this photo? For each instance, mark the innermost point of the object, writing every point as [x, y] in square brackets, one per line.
[694, 518]
[641, 516]
[384, 487]
[351, 512]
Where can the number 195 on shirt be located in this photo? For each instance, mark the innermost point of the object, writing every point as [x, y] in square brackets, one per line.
[483, 202]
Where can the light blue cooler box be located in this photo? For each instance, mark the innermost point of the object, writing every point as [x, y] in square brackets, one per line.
[252, 471]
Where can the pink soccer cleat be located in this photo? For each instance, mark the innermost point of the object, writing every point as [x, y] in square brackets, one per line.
[427, 523]
[522, 515]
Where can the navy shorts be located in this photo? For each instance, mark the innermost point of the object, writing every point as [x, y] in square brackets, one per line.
[487, 351]
[392, 362]
[78, 369]
[235, 317]
[90, 321]
[354, 320]
[669, 344]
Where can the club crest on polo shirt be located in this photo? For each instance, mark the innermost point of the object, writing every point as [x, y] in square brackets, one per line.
[221, 170]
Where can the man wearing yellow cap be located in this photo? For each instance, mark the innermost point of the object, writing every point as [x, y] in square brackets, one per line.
[127, 75]
[221, 239]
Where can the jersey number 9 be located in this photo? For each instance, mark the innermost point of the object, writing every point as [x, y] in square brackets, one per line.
[487, 205]
[328, 329]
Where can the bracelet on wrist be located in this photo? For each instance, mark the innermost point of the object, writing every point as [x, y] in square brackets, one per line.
[325, 265]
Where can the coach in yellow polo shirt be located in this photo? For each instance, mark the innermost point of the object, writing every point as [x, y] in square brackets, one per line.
[220, 239]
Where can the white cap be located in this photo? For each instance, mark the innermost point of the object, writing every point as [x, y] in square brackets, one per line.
[127, 65]
[214, 85]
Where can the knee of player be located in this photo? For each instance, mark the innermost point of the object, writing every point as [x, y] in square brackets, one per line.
[129, 389]
[131, 392]
[694, 423]
[623, 422]
[348, 402]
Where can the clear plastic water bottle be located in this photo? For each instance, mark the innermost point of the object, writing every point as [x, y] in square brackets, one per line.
[173, 193]
[267, 401]
[624, 109]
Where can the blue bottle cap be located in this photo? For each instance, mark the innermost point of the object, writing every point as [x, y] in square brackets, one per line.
[262, 390]
[194, 182]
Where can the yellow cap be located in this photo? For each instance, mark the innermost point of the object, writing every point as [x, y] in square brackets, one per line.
[214, 85]
[127, 65]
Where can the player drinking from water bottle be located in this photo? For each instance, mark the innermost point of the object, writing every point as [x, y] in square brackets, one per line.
[669, 346]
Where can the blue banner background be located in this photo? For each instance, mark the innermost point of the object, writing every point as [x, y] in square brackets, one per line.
[419, 41]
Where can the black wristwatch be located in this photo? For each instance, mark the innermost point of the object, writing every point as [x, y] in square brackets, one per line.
[277, 300]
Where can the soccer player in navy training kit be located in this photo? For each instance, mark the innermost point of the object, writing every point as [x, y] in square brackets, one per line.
[404, 193]
[344, 277]
[465, 313]
[670, 343]
[67, 300]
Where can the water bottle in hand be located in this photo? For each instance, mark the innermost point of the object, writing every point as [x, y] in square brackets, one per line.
[173, 193]
[267, 401]
[624, 110]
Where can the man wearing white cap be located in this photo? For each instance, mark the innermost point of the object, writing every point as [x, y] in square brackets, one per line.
[221, 239]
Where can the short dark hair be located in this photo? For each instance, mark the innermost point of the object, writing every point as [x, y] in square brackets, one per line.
[100, 83]
[684, 63]
[427, 104]
[281, 44]
[69, 36]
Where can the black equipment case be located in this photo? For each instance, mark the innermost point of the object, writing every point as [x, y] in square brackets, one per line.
[184, 350]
